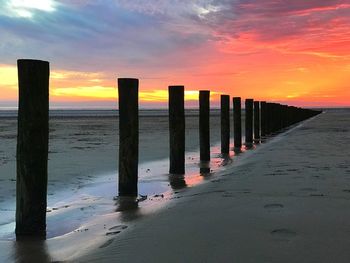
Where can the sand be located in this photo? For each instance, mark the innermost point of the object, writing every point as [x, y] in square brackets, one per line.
[83, 151]
[287, 201]
[83, 180]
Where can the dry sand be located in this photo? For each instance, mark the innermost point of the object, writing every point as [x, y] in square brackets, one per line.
[288, 201]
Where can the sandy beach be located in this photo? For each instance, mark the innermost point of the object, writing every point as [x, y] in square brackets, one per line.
[83, 156]
[287, 200]
[174, 131]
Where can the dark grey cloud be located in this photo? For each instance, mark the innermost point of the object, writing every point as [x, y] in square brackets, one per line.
[95, 35]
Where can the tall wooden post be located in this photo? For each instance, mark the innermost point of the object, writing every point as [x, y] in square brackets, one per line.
[225, 124]
[128, 92]
[204, 131]
[263, 118]
[269, 117]
[237, 122]
[177, 129]
[257, 120]
[249, 121]
[32, 147]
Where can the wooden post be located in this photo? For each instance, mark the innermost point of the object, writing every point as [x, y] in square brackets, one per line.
[263, 118]
[177, 129]
[249, 122]
[32, 147]
[204, 131]
[237, 125]
[257, 120]
[128, 90]
[269, 117]
[225, 124]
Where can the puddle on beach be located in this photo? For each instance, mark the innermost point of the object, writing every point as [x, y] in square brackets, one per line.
[70, 209]
[74, 215]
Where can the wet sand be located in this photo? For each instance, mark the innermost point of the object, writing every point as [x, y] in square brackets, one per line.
[82, 213]
[287, 201]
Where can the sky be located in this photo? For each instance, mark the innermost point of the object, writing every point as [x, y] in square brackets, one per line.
[295, 52]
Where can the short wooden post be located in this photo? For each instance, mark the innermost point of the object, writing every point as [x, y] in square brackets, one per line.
[177, 129]
[237, 122]
[225, 124]
[128, 136]
[249, 122]
[32, 147]
[257, 120]
[204, 131]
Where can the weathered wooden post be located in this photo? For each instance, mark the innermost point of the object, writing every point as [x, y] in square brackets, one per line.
[263, 118]
[269, 117]
[32, 147]
[177, 129]
[237, 122]
[225, 124]
[128, 97]
[257, 120]
[204, 131]
[249, 122]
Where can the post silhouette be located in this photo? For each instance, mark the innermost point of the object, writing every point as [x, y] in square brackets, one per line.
[204, 131]
[237, 122]
[263, 119]
[257, 120]
[225, 124]
[128, 136]
[177, 129]
[269, 117]
[249, 122]
[32, 147]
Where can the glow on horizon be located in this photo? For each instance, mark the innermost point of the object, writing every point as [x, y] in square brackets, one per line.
[81, 86]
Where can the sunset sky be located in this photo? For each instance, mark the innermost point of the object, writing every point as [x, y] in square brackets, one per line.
[292, 51]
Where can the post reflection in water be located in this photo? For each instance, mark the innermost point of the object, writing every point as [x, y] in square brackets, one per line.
[226, 159]
[30, 250]
[204, 168]
[249, 146]
[177, 181]
[237, 150]
[128, 207]
[126, 203]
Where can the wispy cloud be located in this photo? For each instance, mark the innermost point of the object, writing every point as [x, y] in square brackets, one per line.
[201, 43]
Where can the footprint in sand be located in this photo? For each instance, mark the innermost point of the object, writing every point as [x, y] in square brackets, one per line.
[283, 234]
[298, 177]
[116, 230]
[273, 207]
[216, 181]
[228, 194]
[317, 195]
[106, 244]
[308, 189]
